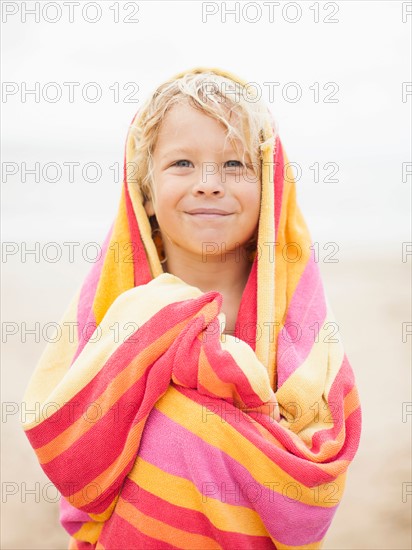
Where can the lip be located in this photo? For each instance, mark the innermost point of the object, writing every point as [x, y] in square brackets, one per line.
[208, 212]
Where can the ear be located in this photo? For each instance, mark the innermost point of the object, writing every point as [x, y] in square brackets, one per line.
[148, 206]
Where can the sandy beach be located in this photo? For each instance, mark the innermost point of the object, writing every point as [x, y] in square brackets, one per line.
[369, 291]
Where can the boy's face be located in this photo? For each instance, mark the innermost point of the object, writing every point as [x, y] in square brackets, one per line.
[195, 169]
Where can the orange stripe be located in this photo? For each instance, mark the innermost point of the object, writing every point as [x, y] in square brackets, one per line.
[351, 402]
[111, 473]
[209, 379]
[117, 274]
[209, 311]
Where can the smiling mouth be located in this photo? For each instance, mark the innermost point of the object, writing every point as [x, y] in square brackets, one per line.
[208, 215]
[210, 212]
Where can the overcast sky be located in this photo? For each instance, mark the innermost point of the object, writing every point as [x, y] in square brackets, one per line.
[351, 113]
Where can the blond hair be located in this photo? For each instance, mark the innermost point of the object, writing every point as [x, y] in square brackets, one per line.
[216, 96]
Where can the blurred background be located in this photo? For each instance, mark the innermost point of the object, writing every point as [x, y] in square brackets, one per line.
[337, 77]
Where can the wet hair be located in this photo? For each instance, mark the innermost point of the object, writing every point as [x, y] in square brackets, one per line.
[236, 106]
[216, 96]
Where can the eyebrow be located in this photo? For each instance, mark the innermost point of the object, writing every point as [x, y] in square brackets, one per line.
[185, 150]
[177, 150]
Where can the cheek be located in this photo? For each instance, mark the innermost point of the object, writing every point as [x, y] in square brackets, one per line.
[168, 190]
[167, 206]
[254, 208]
[252, 198]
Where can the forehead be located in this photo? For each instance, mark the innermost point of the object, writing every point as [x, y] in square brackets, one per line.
[185, 128]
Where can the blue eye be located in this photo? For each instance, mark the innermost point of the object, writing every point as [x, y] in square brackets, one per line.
[183, 160]
[237, 163]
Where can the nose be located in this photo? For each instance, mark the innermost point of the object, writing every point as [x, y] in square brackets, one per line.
[209, 181]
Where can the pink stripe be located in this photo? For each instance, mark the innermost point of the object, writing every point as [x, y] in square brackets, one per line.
[141, 268]
[306, 308]
[245, 328]
[175, 450]
[142, 272]
[81, 545]
[85, 312]
[71, 518]
[342, 385]
[120, 534]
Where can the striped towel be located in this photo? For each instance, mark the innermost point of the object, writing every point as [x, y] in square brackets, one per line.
[161, 431]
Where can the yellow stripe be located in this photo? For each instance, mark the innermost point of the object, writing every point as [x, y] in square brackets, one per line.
[138, 208]
[252, 368]
[309, 386]
[89, 532]
[291, 229]
[52, 366]
[265, 349]
[117, 274]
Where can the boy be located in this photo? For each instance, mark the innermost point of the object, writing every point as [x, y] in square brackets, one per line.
[222, 135]
[191, 417]
[204, 201]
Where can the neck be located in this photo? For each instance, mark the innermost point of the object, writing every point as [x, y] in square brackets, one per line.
[227, 274]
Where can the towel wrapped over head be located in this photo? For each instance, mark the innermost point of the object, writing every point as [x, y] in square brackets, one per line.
[162, 431]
